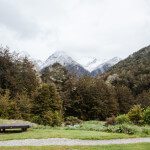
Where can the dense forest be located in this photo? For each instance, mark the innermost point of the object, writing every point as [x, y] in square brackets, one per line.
[50, 96]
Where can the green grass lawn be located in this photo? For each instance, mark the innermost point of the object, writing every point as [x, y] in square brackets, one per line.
[62, 133]
[142, 146]
[91, 130]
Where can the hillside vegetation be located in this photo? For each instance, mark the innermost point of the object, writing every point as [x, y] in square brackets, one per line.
[51, 96]
[134, 74]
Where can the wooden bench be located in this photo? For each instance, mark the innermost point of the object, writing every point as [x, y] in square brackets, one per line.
[14, 126]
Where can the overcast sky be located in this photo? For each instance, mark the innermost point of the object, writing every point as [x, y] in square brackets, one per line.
[82, 28]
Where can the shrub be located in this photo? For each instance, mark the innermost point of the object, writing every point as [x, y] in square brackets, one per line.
[125, 129]
[47, 118]
[122, 119]
[146, 116]
[135, 114]
[47, 105]
[4, 105]
[37, 119]
[23, 103]
[14, 112]
[72, 120]
[110, 120]
[145, 130]
[121, 128]
[57, 119]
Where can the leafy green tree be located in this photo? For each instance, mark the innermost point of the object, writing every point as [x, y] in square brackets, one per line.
[58, 75]
[8, 107]
[47, 104]
[93, 99]
[125, 98]
[136, 114]
[4, 105]
[24, 105]
[143, 99]
[27, 78]
[17, 75]
[146, 116]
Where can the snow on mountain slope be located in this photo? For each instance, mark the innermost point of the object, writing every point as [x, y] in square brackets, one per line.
[66, 61]
[110, 62]
[59, 57]
[94, 67]
[92, 64]
[105, 66]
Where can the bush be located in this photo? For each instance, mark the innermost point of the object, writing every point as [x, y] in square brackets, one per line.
[23, 103]
[135, 114]
[8, 107]
[48, 118]
[4, 105]
[146, 131]
[37, 119]
[121, 119]
[122, 128]
[110, 120]
[72, 120]
[125, 129]
[47, 105]
[146, 116]
[57, 119]
[14, 112]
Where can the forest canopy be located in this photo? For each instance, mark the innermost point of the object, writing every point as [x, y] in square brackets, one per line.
[53, 94]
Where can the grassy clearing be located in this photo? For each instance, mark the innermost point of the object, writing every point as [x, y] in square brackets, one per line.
[90, 130]
[142, 146]
[61, 133]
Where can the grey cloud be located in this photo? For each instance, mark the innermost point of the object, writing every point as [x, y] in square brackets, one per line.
[95, 28]
[12, 18]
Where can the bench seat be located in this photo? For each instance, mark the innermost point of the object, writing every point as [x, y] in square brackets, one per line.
[23, 127]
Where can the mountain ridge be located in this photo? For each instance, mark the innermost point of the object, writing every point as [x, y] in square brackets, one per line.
[65, 60]
[93, 68]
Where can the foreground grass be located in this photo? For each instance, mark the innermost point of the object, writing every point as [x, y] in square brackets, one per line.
[141, 146]
[61, 133]
[89, 130]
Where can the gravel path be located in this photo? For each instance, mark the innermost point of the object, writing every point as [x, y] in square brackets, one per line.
[70, 142]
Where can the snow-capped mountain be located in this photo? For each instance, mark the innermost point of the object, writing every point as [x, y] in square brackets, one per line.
[105, 66]
[93, 68]
[90, 66]
[62, 58]
[59, 57]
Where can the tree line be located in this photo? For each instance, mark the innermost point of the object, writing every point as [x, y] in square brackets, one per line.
[50, 96]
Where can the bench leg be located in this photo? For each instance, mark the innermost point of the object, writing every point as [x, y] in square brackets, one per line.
[3, 130]
[24, 129]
